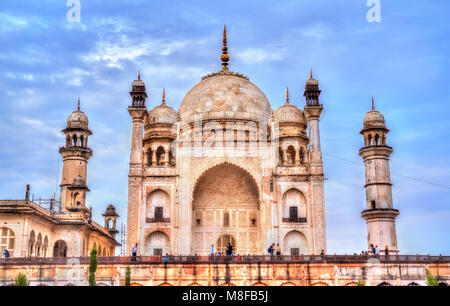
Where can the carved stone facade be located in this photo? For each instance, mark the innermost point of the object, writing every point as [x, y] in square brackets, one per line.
[225, 168]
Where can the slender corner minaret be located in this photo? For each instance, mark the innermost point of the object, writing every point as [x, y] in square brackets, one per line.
[75, 156]
[138, 113]
[379, 213]
[313, 110]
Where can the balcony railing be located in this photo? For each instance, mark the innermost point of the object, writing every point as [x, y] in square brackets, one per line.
[294, 220]
[299, 259]
[158, 220]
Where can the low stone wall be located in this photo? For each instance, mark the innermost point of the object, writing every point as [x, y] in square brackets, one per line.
[372, 272]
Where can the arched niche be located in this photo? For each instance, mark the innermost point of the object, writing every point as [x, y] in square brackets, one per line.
[295, 243]
[156, 244]
[158, 205]
[294, 204]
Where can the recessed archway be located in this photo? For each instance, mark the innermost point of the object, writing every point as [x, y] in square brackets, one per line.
[225, 196]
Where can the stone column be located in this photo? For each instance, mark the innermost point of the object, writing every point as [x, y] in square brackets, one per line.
[167, 157]
[297, 157]
[154, 161]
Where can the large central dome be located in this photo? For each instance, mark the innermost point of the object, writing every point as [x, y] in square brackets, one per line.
[225, 95]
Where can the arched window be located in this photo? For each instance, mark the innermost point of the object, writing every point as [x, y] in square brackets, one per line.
[160, 156]
[60, 249]
[31, 243]
[39, 245]
[290, 155]
[81, 141]
[74, 137]
[370, 140]
[7, 241]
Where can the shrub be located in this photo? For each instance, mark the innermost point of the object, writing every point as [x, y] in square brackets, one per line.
[431, 280]
[92, 267]
[128, 276]
[21, 280]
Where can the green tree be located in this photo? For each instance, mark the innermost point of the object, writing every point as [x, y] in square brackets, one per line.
[360, 283]
[431, 280]
[128, 276]
[21, 280]
[93, 267]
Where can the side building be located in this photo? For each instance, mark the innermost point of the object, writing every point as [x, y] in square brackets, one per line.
[62, 228]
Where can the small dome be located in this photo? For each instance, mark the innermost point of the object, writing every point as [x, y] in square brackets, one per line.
[374, 119]
[138, 83]
[290, 113]
[110, 210]
[162, 114]
[77, 119]
[225, 95]
[79, 181]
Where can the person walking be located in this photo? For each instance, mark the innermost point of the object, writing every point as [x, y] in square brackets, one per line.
[6, 253]
[377, 251]
[386, 251]
[372, 248]
[134, 252]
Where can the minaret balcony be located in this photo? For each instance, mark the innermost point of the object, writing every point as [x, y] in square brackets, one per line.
[380, 213]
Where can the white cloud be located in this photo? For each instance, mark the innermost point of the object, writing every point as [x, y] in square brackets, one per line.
[258, 55]
[114, 53]
[29, 77]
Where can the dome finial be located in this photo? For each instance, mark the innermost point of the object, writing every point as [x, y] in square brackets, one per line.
[78, 107]
[287, 95]
[139, 75]
[311, 75]
[164, 96]
[373, 104]
[225, 57]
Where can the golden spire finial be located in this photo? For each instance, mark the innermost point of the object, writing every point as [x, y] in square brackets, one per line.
[311, 75]
[164, 96]
[225, 57]
[287, 95]
[78, 108]
[139, 75]
[373, 104]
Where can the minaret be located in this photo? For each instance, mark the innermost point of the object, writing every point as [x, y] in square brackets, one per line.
[75, 156]
[313, 110]
[138, 113]
[379, 213]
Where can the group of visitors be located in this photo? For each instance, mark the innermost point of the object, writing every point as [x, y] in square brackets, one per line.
[374, 250]
[272, 249]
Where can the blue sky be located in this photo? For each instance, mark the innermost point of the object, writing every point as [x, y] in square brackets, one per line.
[46, 63]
